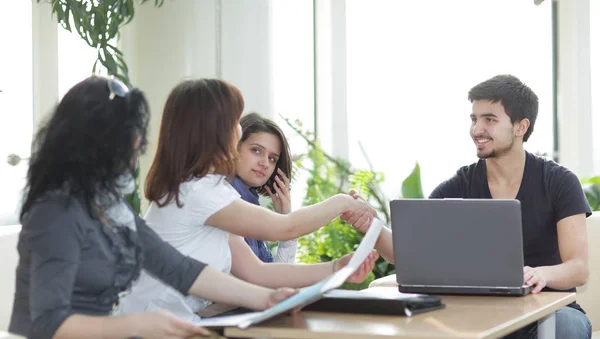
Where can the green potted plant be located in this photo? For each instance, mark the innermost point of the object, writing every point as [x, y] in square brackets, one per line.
[98, 23]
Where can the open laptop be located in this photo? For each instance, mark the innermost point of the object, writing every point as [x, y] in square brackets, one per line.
[458, 246]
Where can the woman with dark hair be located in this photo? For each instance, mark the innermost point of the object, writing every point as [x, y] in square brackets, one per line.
[195, 209]
[81, 246]
[264, 167]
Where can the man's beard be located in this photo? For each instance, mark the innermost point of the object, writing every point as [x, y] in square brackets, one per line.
[495, 153]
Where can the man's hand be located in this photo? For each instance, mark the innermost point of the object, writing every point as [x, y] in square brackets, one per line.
[361, 222]
[535, 276]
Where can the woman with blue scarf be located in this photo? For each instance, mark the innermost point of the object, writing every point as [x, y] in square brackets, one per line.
[264, 168]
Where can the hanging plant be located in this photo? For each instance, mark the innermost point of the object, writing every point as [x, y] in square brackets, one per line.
[98, 23]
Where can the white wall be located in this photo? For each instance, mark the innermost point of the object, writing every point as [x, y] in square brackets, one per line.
[331, 79]
[45, 62]
[247, 51]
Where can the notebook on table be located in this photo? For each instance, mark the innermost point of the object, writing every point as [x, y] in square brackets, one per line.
[376, 300]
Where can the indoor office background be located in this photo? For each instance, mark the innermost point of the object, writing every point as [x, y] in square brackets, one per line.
[384, 82]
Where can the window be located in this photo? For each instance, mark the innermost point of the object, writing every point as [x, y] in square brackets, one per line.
[16, 103]
[75, 60]
[410, 65]
[293, 73]
[16, 99]
[595, 66]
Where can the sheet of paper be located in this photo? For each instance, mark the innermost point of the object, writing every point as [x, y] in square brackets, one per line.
[225, 321]
[304, 297]
[378, 292]
[366, 244]
[362, 252]
[314, 292]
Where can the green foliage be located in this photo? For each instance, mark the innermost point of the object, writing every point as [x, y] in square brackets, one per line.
[98, 24]
[411, 186]
[329, 176]
[591, 188]
[336, 238]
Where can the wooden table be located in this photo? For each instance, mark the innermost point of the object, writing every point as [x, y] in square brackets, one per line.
[463, 317]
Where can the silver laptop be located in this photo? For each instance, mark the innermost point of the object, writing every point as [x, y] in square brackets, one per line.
[458, 246]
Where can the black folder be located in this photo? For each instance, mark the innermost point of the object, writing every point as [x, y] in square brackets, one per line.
[341, 301]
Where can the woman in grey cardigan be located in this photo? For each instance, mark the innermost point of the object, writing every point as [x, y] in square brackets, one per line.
[82, 247]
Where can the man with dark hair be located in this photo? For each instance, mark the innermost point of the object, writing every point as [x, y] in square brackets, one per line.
[553, 205]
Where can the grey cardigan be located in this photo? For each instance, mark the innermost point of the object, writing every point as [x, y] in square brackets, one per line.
[72, 263]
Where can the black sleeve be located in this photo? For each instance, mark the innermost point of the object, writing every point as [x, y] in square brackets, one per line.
[451, 188]
[54, 240]
[165, 262]
[567, 194]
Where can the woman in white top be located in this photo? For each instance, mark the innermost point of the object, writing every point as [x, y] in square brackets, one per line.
[196, 210]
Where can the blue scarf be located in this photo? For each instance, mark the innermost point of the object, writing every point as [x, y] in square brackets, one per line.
[259, 247]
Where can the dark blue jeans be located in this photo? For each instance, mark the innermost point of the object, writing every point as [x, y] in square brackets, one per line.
[570, 324]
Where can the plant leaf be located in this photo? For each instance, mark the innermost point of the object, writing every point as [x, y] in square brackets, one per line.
[108, 61]
[411, 186]
[592, 194]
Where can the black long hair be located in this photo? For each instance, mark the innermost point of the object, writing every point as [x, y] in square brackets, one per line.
[87, 143]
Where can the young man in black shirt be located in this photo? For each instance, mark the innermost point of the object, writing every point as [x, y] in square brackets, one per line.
[553, 205]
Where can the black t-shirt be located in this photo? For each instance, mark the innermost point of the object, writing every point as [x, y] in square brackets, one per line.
[549, 192]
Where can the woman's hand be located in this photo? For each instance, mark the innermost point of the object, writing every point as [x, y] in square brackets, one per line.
[363, 271]
[282, 201]
[162, 324]
[279, 295]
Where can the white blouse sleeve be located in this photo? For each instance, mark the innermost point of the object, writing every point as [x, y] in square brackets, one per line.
[208, 196]
[286, 251]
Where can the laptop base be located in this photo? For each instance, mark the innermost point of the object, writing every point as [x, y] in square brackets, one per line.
[466, 290]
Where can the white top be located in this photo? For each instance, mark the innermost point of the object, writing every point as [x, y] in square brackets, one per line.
[185, 229]
[286, 251]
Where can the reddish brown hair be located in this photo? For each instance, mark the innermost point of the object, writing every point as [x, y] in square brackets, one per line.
[197, 134]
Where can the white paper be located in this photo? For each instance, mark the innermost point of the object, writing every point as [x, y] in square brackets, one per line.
[377, 292]
[366, 245]
[305, 296]
[225, 321]
[362, 252]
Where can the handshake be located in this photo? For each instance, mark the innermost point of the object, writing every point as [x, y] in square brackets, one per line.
[359, 214]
